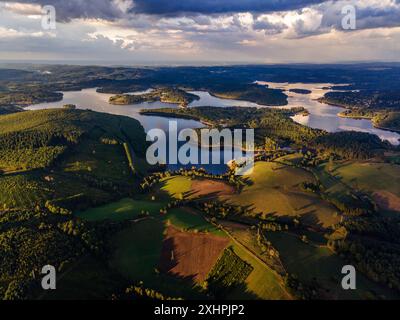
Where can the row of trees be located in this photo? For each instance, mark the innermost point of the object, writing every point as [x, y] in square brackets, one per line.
[139, 292]
[151, 180]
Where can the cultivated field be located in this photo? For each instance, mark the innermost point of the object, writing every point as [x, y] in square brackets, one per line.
[381, 180]
[141, 249]
[190, 255]
[210, 188]
[187, 187]
[274, 189]
[262, 283]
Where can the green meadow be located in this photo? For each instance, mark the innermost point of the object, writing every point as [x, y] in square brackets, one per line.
[125, 209]
[274, 189]
[317, 263]
[385, 176]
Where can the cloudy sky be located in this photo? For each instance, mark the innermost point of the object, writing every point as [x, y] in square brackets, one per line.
[214, 31]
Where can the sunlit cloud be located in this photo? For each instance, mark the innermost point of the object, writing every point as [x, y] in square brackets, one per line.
[245, 30]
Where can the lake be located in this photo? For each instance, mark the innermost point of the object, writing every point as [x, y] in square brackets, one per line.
[90, 99]
[322, 116]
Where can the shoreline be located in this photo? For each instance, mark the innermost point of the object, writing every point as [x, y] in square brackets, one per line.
[208, 124]
[241, 99]
[174, 116]
[341, 115]
[376, 126]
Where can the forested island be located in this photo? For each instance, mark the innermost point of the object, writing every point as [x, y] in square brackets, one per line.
[87, 191]
[300, 91]
[252, 92]
[166, 95]
[76, 192]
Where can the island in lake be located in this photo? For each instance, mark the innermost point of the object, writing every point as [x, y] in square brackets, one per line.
[300, 91]
[166, 95]
[78, 192]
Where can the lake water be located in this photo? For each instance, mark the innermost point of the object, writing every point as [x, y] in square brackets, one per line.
[322, 116]
[90, 99]
[207, 99]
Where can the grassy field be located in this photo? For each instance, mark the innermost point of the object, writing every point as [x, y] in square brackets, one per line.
[129, 209]
[173, 187]
[188, 188]
[188, 219]
[275, 189]
[333, 187]
[138, 248]
[385, 176]
[385, 189]
[291, 159]
[137, 257]
[87, 279]
[124, 209]
[262, 283]
[318, 263]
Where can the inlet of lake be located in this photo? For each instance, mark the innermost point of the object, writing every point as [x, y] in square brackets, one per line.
[321, 116]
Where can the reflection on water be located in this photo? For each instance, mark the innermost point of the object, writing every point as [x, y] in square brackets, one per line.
[208, 100]
[324, 116]
[90, 99]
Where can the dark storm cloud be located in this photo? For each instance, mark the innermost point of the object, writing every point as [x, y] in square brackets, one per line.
[144, 13]
[179, 7]
[108, 10]
[71, 9]
[366, 17]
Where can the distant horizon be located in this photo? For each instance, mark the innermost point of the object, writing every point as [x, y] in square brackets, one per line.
[4, 62]
[151, 32]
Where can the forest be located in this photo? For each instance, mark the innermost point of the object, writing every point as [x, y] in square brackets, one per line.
[277, 125]
[76, 191]
[381, 106]
[166, 95]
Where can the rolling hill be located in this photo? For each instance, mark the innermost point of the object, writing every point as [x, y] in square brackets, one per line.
[58, 154]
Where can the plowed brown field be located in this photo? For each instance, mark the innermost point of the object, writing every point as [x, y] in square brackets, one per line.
[206, 187]
[190, 255]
